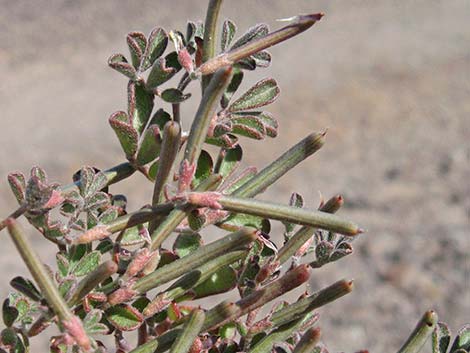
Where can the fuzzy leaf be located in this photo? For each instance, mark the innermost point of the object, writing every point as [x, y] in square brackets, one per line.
[119, 63]
[230, 161]
[270, 124]
[196, 220]
[231, 88]
[222, 281]
[204, 168]
[185, 244]
[228, 32]
[440, 338]
[8, 337]
[18, 186]
[262, 93]
[66, 286]
[239, 220]
[462, 340]
[127, 135]
[174, 95]
[133, 236]
[92, 325]
[10, 313]
[153, 170]
[249, 126]
[228, 331]
[150, 146]
[160, 73]
[160, 118]
[124, 317]
[262, 58]
[225, 141]
[157, 42]
[62, 264]
[26, 287]
[140, 105]
[87, 264]
[137, 43]
[254, 32]
[341, 251]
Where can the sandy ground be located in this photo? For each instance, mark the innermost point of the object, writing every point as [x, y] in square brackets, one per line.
[389, 79]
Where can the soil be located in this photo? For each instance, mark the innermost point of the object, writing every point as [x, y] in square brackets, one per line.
[390, 80]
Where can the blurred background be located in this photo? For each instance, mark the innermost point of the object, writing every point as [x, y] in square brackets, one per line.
[389, 79]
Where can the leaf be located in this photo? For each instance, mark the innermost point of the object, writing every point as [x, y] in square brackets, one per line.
[222, 281]
[160, 73]
[150, 145]
[157, 42]
[225, 141]
[66, 286]
[160, 118]
[18, 186]
[124, 317]
[92, 325]
[270, 124]
[185, 244]
[127, 135]
[262, 58]
[342, 250]
[137, 43]
[26, 287]
[86, 264]
[231, 88]
[62, 264]
[204, 168]
[254, 32]
[98, 200]
[262, 93]
[230, 161]
[249, 126]
[238, 220]
[174, 95]
[133, 236]
[140, 105]
[440, 338]
[196, 219]
[8, 337]
[119, 63]
[228, 32]
[153, 170]
[228, 331]
[9, 313]
[462, 340]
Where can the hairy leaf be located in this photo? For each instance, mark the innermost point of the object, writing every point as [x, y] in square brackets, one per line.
[157, 42]
[119, 63]
[124, 317]
[149, 148]
[137, 43]
[262, 93]
[127, 135]
[185, 244]
[140, 105]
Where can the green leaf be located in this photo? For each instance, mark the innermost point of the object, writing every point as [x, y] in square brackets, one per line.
[440, 338]
[228, 32]
[157, 42]
[160, 73]
[26, 287]
[137, 43]
[18, 186]
[239, 220]
[270, 124]
[262, 93]
[185, 244]
[228, 331]
[127, 135]
[262, 58]
[222, 281]
[254, 32]
[119, 63]
[140, 105]
[231, 88]
[230, 161]
[98, 200]
[249, 126]
[124, 317]
[65, 287]
[160, 118]
[153, 170]
[174, 95]
[462, 341]
[8, 337]
[225, 141]
[150, 145]
[87, 264]
[196, 220]
[204, 168]
[9, 313]
[92, 325]
[133, 236]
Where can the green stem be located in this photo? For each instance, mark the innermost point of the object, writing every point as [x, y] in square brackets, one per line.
[306, 232]
[190, 331]
[308, 341]
[197, 258]
[312, 302]
[288, 160]
[39, 272]
[114, 175]
[91, 281]
[210, 35]
[301, 23]
[168, 153]
[205, 113]
[420, 334]
[226, 312]
[290, 214]
[173, 220]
